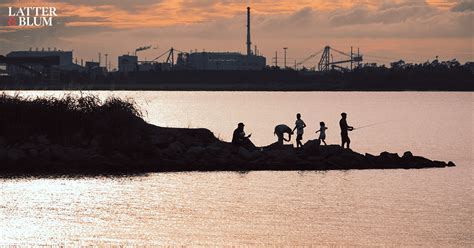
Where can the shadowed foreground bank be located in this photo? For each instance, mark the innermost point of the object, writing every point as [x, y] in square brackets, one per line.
[87, 136]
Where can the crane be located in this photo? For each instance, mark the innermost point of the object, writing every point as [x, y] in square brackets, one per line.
[309, 57]
[170, 58]
[325, 63]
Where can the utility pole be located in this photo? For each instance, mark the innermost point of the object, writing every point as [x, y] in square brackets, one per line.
[351, 58]
[99, 59]
[106, 60]
[276, 58]
[358, 55]
[284, 63]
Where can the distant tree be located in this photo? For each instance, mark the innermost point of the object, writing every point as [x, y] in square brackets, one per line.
[397, 64]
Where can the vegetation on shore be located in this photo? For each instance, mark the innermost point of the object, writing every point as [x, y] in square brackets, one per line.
[70, 120]
[84, 135]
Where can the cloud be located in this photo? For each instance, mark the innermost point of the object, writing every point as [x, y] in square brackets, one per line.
[463, 5]
[120, 26]
[131, 6]
[386, 14]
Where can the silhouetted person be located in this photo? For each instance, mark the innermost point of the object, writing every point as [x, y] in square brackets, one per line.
[239, 138]
[344, 130]
[322, 132]
[299, 126]
[280, 130]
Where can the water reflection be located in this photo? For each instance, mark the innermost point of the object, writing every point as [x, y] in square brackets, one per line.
[431, 207]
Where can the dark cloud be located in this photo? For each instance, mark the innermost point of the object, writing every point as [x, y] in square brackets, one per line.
[463, 5]
[389, 20]
[131, 6]
[388, 13]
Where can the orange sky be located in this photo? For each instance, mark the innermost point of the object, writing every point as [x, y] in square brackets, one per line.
[415, 29]
[172, 12]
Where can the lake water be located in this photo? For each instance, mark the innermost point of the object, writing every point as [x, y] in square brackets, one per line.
[429, 207]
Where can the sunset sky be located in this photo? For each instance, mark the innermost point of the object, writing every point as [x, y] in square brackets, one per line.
[413, 30]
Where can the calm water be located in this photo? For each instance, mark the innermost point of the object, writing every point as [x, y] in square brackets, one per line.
[430, 207]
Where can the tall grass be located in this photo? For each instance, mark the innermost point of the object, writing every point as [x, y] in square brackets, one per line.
[72, 120]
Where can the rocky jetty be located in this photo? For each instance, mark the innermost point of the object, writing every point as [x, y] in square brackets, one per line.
[85, 136]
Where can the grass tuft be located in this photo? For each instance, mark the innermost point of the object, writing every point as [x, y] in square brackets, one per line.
[72, 120]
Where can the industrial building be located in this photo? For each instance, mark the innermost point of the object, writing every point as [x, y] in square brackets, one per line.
[224, 60]
[198, 60]
[65, 61]
[127, 63]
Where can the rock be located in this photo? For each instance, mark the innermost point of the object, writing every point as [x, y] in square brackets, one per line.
[3, 142]
[76, 154]
[244, 153]
[332, 150]
[390, 160]
[311, 144]
[33, 152]
[389, 156]
[418, 162]
[349, 160]
[160, 140]
[196, 151]
[58, 153]
[43, 140]
[276, 146]
[3, 154]
[371, 159]
[407, 155]
[176, 148]
[281, 153]
[15, 154]
[179, 149]
[95, 142]
[438, 164]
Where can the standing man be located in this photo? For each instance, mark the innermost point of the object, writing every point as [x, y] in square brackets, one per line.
[299, 126]
[280, 130]
[344, 130]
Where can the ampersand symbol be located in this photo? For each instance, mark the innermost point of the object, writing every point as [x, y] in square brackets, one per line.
[11, 21]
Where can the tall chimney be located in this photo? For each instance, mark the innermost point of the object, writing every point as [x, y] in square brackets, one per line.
[249, 44]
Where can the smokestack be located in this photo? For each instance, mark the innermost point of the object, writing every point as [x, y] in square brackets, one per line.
[249, 44]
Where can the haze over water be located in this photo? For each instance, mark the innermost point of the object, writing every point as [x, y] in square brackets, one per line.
[430, 207]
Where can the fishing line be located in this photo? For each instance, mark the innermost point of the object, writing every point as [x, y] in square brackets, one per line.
[370, 125]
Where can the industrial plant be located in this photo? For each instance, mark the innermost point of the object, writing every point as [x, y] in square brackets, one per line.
[241, 71]
[21, 62]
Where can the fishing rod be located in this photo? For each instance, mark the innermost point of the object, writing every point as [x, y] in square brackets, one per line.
[370, 125]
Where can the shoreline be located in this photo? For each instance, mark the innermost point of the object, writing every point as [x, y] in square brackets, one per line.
[215, 89]
[85, 136]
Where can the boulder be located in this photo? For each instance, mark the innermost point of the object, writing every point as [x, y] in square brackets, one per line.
[407, 155]
[43, 140]
[176, 148]
[3, 141]
[196, 151]
[245, 154]
[15, 154]
[3, 154]
[161, 140]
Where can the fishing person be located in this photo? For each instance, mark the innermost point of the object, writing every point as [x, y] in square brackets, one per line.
[299, 126]
[239, 138]
[322, 132]
[280, 130]
[344, 130]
